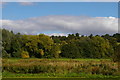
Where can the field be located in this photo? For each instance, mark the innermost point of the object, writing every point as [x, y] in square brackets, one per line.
[59, 68]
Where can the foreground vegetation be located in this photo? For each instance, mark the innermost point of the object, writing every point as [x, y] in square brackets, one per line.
[84, 68]
[60, 56]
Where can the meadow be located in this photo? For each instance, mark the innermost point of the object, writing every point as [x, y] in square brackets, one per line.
[59, 68]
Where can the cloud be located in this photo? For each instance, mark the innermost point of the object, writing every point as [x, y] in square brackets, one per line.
[64, 24]
[26, 3]
[57, 34]
[2, 4]
[61, 0]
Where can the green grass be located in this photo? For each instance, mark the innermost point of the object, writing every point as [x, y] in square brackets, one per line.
[7, 74]
[62, 59]
[58, 62]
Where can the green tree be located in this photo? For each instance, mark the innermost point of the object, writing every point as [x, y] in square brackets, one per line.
[70, 51]
[16, 45]
[31, 45]
[117, 36]
[77, 34]
[6, 41]
[55, 50]
[102, 47]
[35, 43]
[41, 52]
[46, 43]
[116, 56]
[85, 47]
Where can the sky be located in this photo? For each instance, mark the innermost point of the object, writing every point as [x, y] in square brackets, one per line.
[61, 0]
[60, 18]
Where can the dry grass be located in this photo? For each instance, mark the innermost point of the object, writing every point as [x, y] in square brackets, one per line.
[104, 67]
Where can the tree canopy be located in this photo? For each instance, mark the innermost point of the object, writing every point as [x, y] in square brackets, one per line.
[71, 46]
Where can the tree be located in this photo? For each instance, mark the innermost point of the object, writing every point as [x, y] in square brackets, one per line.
[70, 51]
[16, 45]
[91, 35]
[117, 36]
[31, 45]
[102, 47]
[41, 52]
[37, 45]
[6, 40]
[46, 41]
[45, 46]
[56, 39]
[71, 36]
[95, 47]
[55, 50]
[5, 54]
[116, 57]
[77, 34]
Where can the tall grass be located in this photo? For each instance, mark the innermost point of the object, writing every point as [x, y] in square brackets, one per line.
[103, 67]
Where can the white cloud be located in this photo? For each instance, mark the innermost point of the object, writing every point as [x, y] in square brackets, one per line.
[64, 24]
[61, 0]
[57, 34]
[2, 4]
[26, 3]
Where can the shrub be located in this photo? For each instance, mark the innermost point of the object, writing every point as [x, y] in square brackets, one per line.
[25, 54]
[5, 54]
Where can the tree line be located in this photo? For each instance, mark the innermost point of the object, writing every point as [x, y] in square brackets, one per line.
[16, 45]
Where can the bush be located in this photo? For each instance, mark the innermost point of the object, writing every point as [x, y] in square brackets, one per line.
[116, 56]
[25, 54]
[5, 54]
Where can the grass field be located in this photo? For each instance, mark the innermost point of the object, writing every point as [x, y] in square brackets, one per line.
[59, 68]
